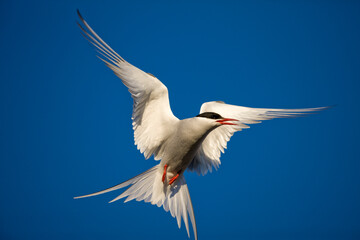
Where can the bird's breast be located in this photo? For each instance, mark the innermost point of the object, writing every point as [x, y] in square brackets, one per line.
[181, 148]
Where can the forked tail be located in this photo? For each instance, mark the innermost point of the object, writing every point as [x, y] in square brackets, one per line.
[148, 186]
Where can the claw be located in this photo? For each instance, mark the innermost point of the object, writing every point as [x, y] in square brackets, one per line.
[174, 178]
[164, 174]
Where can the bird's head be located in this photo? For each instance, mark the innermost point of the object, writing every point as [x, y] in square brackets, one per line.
[217, 119]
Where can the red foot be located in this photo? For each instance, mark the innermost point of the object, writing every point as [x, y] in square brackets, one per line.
[174, 178]
[164, 174]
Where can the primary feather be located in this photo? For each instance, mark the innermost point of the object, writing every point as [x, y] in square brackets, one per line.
[151, 108]
[208, 155]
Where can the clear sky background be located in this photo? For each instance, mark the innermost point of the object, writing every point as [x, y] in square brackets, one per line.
[65, 125]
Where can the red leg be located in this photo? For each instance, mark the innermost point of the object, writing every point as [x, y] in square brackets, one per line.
[164, 174]
[174, 178]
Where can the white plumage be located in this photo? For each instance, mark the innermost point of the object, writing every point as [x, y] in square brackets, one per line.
[193, 144]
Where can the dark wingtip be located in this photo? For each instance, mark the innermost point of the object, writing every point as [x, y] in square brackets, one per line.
[79, 14]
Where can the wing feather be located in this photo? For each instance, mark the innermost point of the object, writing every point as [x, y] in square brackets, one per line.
[208, 155]
[152, 114]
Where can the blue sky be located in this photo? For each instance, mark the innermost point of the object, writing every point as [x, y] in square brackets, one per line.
[65, 125]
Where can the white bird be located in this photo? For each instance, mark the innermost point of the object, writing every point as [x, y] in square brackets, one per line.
[193, 144]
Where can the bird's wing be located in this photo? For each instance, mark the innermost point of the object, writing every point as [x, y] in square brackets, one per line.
[208, 155]
[152, 115]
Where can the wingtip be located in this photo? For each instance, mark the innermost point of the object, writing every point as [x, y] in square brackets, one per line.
[320, 109]
[331, 106]
[79, 14]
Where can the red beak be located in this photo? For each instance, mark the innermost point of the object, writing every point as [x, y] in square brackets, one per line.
[224, 121]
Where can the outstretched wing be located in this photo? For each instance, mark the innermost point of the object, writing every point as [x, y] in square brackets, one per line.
[152, 114]
[208, 155]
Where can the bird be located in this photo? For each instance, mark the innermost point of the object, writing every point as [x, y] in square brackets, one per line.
[193, 144]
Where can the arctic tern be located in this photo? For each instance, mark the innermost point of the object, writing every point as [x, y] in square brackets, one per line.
[193, 144]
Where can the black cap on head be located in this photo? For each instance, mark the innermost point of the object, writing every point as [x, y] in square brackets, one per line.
[210, 115]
